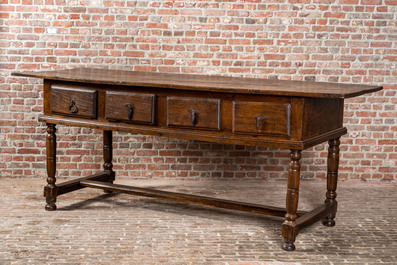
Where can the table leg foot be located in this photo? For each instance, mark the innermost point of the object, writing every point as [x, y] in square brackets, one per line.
[50, 193]
[288, 246]
[328, 222]
[50, 206]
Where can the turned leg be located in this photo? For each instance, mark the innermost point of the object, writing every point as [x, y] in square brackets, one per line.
[332, 179]
[108, 155]
[51, 190]
[289, 230]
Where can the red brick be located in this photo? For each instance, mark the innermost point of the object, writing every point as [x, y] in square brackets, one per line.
[157, 25]
[239, 42]
[145, 68]
[190, 12]
[134, 54]
[273, 56]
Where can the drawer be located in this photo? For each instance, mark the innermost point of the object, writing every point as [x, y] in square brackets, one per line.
[130, 107]
[74, 101]
[261, 118]
[201, 113]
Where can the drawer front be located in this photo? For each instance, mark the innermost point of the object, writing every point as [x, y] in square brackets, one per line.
[201, 113]
[130, 107]
[74, 101]
[261, 118]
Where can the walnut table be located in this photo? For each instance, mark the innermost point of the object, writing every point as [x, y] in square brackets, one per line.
[293, 115]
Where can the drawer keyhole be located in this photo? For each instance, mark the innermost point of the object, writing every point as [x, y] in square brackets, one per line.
[72, 106]
[194, 114]
[259, 121]
[130, 108]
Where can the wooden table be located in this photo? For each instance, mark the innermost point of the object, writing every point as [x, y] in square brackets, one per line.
[284, 114]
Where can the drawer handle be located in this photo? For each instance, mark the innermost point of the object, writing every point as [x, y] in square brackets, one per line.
[72, 106]
[194, 114]
[131, 108]
[259, 120]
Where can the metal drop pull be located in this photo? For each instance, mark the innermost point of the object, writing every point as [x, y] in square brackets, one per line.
[72, 106]
[194, 114]
[259, 121]
[130, 108]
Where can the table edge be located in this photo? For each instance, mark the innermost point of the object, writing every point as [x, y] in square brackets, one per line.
[368, 89]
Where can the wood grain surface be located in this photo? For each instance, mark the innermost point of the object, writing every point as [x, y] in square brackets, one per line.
[206, 83]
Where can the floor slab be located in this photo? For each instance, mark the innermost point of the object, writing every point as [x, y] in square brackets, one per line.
[91, 227]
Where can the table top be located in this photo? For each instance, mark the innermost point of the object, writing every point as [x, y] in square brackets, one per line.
[194, 82]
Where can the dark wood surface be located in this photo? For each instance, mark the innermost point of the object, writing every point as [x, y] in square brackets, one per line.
[130, 107]
[199, 135]
[77, 102]
[332, 179]
[207, 83]
[284, 114]
[288, 229]
[188, 198]
[51, 190]
[193, 112]
[262, 118]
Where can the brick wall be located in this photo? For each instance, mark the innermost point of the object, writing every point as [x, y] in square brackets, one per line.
[350, 41]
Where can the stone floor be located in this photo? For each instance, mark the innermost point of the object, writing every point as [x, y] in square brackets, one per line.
[91, 227]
